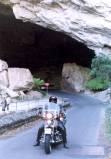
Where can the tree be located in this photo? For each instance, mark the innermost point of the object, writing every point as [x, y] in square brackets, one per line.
[100, 73]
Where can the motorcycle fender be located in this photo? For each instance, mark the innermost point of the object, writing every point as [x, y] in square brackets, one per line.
[47, 131]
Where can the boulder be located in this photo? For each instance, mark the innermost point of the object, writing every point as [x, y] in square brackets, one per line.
[3, 73]
[12, 93]
[4, 78]
[20, 79]
[4, 91]
[74, 77]
[34, 94]
[3, 65]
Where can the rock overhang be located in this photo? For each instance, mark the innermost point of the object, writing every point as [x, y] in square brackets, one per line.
[41, 46]
[86, 21]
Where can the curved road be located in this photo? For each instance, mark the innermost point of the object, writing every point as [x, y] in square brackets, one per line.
[83, 126]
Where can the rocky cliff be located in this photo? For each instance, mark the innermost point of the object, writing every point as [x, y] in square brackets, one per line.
[88, 21]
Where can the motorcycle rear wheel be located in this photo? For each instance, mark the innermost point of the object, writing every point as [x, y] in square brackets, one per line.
[47, 144]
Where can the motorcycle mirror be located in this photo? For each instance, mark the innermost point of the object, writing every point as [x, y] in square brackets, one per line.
[40, 110]
[46, 107]
[65, 109]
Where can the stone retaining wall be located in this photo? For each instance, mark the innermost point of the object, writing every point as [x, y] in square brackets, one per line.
[13, 120]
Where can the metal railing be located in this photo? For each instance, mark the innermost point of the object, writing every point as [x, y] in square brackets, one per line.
[27, 103]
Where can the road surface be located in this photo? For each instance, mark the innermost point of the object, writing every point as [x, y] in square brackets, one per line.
[83, 126]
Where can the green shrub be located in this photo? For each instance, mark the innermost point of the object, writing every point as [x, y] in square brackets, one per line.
[100, 75]
[38, 82]
[101, 67]
[97, 84]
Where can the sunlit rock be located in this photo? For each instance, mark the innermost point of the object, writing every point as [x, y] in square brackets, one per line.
[4, 78]
[3, 73]
[20, 79]
[3, 65]
[74, 77]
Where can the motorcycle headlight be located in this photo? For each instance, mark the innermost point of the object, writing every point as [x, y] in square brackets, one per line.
[61, 119]
[49, 116]
[48, 122]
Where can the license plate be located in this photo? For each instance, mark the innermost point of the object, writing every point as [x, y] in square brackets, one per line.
[47, 131]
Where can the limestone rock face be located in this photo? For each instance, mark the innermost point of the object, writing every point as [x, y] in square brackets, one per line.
[74, 77]
[4, 91]
[4, 78]
[88, 21]
[20, 79]
[4, 73]
[11, 93]
[3, 65]
[13, 80]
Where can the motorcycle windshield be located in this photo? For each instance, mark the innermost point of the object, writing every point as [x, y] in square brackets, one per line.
[52, 107]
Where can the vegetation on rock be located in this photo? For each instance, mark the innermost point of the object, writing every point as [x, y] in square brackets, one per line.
[38, 83]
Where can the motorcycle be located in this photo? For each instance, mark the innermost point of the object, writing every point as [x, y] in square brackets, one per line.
[51, 135]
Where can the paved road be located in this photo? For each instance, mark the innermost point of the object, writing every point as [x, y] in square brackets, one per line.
[84, 120]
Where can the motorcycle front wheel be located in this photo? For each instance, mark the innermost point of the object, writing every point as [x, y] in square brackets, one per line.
[47, 144]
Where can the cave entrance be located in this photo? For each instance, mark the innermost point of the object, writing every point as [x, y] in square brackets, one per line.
[41, 50]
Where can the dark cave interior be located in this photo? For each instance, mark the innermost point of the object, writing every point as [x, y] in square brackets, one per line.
[23, 44]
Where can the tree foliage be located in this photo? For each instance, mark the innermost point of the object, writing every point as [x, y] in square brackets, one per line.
[97, 84]
[101, 66]
[38, 82]
[100, 73]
